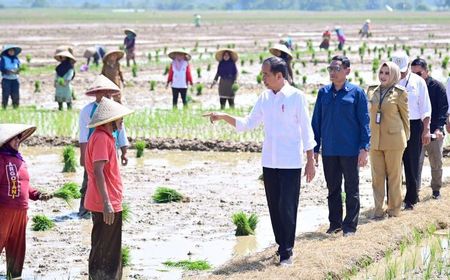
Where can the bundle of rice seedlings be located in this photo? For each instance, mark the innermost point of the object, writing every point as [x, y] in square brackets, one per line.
[69, 159]
[126, 259]
[126, 212]
[244, 225]
[42, 223]
[189, 265]
[165, 195]
[68, 192]
[140, 146]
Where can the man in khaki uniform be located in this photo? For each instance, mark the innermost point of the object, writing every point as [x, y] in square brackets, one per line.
[389, 124]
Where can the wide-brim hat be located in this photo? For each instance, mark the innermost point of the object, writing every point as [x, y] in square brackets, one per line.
[6, 48]
[173, 53]
[234, 55]
[89, 52]
[278, 48]
[129, 30]
[66, 54]
[119, 54]
[10, 130]
[102, 83]
[107, 111]
[64, 48]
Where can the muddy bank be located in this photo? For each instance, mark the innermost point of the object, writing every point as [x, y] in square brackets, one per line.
[172, 144]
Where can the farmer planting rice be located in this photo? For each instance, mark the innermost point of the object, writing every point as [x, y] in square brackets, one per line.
[326, 37]
[111, 70]
[288, 134]
[95, 53]
[102, 87]
[10, 68]
[179, 76]
[65, 73]
[104, 191]
[280, 50]
[15, 191]
[129, 45]
[227, 72]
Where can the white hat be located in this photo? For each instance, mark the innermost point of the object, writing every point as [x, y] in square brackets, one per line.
[108, 111]
[64, 48]
[368, 20]
[401, 59]
[102, 83]
[278, 48]
[10, 130]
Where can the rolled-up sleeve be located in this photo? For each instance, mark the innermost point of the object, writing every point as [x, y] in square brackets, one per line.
[424, 100]
[122, 140]
[83, 123]
[307, 133]
[253, 120]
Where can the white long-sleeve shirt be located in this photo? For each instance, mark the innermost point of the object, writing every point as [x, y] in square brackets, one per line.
[287, 127]
[419, 104]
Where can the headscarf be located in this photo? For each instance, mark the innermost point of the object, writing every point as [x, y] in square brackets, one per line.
[394, 74]
[227, 69]
[6, 149]
[179, 63]
[63, 67]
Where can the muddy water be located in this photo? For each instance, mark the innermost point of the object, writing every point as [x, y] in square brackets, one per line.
[218, 185]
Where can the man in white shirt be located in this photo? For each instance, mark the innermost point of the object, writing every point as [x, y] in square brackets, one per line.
[419, 117]
[283, 110]
[102, 87]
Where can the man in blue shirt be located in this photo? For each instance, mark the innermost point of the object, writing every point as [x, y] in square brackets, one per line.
[341, 126]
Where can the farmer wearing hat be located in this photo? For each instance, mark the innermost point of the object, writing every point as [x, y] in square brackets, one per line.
[104, 191]
[419, 106]
[96, 53]
[102, 87]
[129, 45]
[326, 37]
[280, 50]
[365, 29]
[10, 67]
[64, 48]
[227, 71]
[111, 70]
[179, 76]
[65, 73]
[15, 191]
[341, 37]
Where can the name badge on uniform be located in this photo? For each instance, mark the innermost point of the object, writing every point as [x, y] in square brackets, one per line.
[378, 117]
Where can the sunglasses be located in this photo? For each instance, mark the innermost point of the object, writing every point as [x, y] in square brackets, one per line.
[334, 68]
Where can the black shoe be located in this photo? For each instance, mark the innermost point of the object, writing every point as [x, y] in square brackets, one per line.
[436, 195]
[409, 206]
[334, 230]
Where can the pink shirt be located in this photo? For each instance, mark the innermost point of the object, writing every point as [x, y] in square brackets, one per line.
[15, 188]
[101, 147]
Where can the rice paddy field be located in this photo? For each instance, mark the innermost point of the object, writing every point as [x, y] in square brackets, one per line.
[177, 239]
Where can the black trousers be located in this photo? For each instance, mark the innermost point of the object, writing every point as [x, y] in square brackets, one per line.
[334, 168]
[176, 92]
[411, 158]
[10, 88]
[105, 259]
[282, 192]
[83, 189]
[223, 102]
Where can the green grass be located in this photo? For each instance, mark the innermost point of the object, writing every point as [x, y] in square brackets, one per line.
[244, 225]
[166, 195]
[42, 223]
[126, 258]
[68, 192]
[189, 265]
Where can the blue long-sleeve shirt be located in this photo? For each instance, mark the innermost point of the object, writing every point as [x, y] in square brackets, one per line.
[341, 121]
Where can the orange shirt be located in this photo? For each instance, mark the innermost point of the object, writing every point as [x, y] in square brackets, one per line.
[101, 147]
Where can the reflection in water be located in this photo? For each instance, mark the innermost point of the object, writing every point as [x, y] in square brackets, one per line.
[245, 245]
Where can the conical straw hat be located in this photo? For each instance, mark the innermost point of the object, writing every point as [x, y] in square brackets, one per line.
[173, 53]
[10, 130]
[119, 54]
[102, 83]
[89, 52]
[6, 48]
[64, 54]
[129, 30]
[278, 48]
[234, 55]
[64, 48]
[108, 111]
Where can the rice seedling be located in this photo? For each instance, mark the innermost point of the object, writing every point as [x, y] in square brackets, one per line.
[126, 258]
[417, 236]
[166, 195]
[199, 88]
[69, 159]
[259, 78]
[166, 70]
[199, 72]
[403, 245]
[37, 86]
[316, 61]
[344, 52]
[42, 223]
[242, 62]
[314, 92]
[375, 65]
[152, 85]
[200, 56]
[445, 62]
[244, 225]
[297, 55]
[422, 50]
[361, 81]
[356, 74]
[68, 192]
[251, 61]
[304, 78]
[303, 64]
[297, 72]
[208, 68]
[165, 50]
[126, 212]
[61, 81]
[140, 146]
[189, 265]
[149, 56]
[134, 70]
[28, 57]
[235, 88]
[261, 58]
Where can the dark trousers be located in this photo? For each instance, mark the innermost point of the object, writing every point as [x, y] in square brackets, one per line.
[60, 106]
[105, 259]
[282, 192]
[175, 93]
[82, 211]
[10, 88]
[334, 168]
[223, 102]
[411, 159]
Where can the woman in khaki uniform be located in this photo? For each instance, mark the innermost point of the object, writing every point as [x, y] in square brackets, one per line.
[389, 125]
[111, 69]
